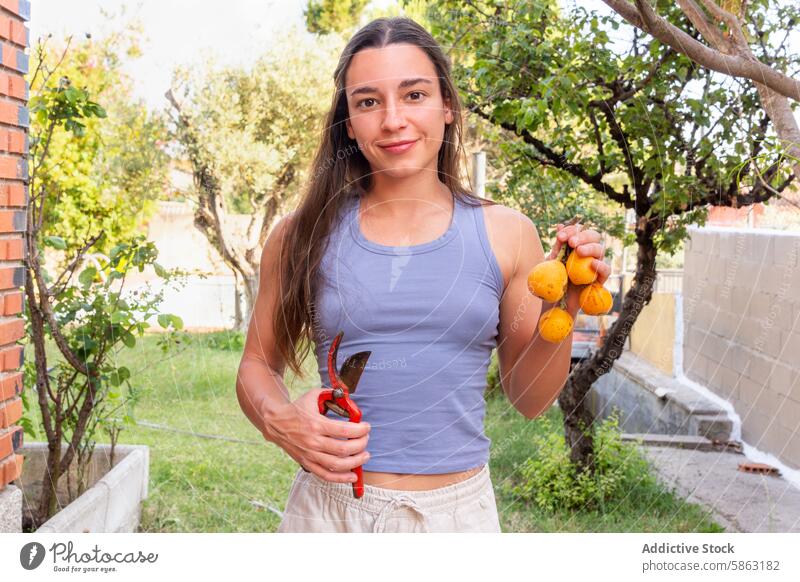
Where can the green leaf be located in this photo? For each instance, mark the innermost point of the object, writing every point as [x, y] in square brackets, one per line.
[72, 94]
[129, 339]
[163, 320]
[56, 242]
[117, 377]
[87, 276]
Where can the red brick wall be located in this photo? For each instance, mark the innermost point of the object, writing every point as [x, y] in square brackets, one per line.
[13, 198]
[727, 216]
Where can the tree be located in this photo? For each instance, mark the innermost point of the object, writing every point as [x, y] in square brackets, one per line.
[326, 16]
[90, 320]
[643, 127]
[728, 34]
[249, 136]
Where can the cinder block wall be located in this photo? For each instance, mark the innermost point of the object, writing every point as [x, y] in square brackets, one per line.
[741, 313]
[14, 39]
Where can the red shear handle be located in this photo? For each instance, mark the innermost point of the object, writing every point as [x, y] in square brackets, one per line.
[338, 401]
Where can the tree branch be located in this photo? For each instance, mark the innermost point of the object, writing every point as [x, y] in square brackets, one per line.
[559, 161]
[642, 16]
[70, 269]
[698, 18]
[636, 173]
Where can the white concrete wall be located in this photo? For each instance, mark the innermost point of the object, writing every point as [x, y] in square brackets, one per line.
[741, 316]
[205, 303]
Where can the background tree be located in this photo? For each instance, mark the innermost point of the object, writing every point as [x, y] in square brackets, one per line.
[249, 136]
[105, 173]
[631, 120]
[344, 16]
[326, 16]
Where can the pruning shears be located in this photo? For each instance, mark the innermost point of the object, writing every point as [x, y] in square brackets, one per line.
[337, 398]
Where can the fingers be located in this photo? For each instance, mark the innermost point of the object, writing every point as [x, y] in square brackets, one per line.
[587, 243]
[344, 430]
[343, 448]
[603, 271]
[336, 464]
[576, 237]
[590, 250]
[332, 476]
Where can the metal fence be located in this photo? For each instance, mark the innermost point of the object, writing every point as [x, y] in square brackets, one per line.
[667, 281]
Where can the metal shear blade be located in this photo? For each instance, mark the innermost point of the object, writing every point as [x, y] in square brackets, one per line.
[352, 368]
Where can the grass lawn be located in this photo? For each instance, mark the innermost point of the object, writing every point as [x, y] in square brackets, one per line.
[202, 484]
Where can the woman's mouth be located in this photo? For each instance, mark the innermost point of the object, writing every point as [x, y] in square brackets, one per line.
[399, 147]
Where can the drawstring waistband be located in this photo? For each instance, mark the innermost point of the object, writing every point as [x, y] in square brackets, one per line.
[381, 502]
[401, 500]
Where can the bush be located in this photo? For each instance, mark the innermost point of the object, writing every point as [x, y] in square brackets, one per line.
[493, 386]
[227, 340]
[552, 482]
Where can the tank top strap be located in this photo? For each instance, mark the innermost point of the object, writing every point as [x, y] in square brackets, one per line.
[484, 246]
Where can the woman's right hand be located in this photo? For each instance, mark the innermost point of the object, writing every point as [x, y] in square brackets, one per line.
[329, 448]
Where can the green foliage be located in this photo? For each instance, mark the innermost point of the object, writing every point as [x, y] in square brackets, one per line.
[29, 405]
[493, 386]
[105, 163]
[326, 16]
[98, 320]
[594, 116]
[227, 340]
[552, 482]
[256, 129]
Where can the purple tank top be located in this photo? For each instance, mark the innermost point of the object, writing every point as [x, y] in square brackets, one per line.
[429, 313]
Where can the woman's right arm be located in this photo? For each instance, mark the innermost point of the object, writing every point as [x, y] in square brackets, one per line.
[326, 447]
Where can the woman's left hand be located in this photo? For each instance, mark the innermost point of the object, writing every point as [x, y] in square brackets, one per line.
[587, 243]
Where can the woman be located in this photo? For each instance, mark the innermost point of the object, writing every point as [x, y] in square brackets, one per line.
[389, 247]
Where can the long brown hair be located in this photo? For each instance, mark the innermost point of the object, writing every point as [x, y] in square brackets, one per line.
[339, 172]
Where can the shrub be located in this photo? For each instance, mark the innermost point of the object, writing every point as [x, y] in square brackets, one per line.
[493, 386]
[552, 482]
[227, 340]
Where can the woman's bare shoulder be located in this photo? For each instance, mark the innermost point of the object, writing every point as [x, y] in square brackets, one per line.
[504, 227]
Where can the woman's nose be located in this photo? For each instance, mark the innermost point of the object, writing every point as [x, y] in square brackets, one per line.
[393, 117]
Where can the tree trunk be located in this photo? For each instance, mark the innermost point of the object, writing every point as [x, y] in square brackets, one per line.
[247, 290]
[250, 294]
[238, 320]
[578, 418]
[783, 121]
[48, 500]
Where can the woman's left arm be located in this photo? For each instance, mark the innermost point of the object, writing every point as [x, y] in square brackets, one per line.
[533, 371]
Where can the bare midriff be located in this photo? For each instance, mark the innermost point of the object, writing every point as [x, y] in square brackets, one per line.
[408, 482]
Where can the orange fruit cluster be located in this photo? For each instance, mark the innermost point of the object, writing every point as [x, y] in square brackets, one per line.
[549, 280]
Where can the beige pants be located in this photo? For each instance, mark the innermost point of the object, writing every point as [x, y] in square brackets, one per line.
[317, 506]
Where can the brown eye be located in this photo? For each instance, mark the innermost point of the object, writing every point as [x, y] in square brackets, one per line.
[360, 103]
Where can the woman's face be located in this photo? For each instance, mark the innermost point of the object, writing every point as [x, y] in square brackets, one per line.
[393, 96]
